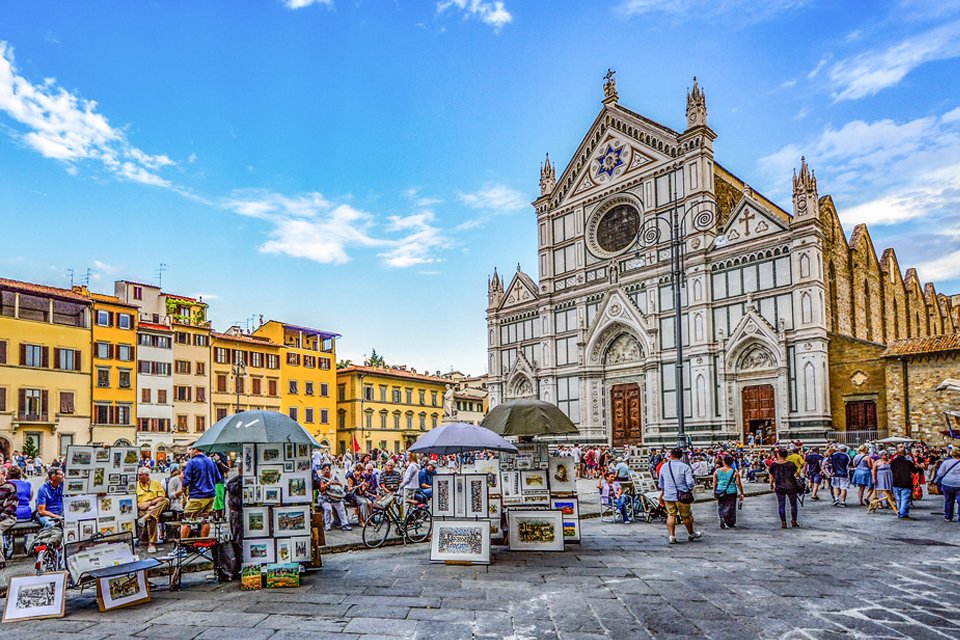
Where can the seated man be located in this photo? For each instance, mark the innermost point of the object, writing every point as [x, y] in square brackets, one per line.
[151, 502]
[390, 478]
[426, 480]
[50, 499]
[9, 500]
[331, 497]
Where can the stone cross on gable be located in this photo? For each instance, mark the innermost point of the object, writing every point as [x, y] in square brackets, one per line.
[747, 217]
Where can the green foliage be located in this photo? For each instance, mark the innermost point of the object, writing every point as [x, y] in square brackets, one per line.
[343, 364]
[30, 448]
[375, 360]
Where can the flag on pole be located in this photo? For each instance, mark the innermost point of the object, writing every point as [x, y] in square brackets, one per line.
[356, 445]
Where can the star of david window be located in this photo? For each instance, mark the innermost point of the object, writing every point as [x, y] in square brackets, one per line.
[609, 161]
[618, 228]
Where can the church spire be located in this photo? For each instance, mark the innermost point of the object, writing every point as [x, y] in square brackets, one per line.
[610, 95]
[696, 106]
[548, 177]
[805, 198]
[494, 289]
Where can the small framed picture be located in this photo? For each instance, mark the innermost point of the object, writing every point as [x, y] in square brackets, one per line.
[79, 457]
[124, 590]
[296, 488]
[126, 506]
[101, 455]
[475, 496]
[461, 541]
[249, 466]
[127, 525]
[75, 486]
[303, 465]
[35, 597]
[533, 481]
[303, 451]
[301, 548]
[289, 451]
[291, 521]
[284, 549]
[108, 506]
[570, 509]
[270, 475]
[98, 480]
[535, 530]
[270, 454]
[272, 495]
[563, 475]
[443, 496]
[259, 551]
[256, 522]
[71, 532]
[88, 528]
[289, 466]
[77, 508]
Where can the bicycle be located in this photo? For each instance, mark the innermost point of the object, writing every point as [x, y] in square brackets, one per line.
[49, 558]
[415, 526]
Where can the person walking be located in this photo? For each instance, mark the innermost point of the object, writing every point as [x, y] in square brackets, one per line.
[727, 488]
[784, 482]
[903, 468]
[814, 461]
[840, 476]
[677, 494]
[948, 477]
[200, 478]
[863, 473]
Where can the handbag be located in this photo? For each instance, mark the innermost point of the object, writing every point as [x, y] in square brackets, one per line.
[719, 494]
[684, 496]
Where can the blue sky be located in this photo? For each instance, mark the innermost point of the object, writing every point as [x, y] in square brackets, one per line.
[362, 166]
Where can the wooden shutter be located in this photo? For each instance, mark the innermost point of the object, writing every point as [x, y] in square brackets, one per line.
[3, 398]
[111, 318]
[22, 401]
[43, 401]
[23, 354]
[56, 358]
[113, 414]
[76, 360]
[46, 357]
[3, 352]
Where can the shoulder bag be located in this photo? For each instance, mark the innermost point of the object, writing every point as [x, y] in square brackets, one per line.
[684, 496]
[719, 494]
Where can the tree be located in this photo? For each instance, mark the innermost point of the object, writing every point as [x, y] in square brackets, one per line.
[30, 448]
[343, 364]
[375, 360]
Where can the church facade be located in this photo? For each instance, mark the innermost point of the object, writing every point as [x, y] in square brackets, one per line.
[769, 298]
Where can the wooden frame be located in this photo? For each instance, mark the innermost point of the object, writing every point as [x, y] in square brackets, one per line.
[125, 590]
[535, 530]
[466, 541]
[562, 474]
[570, 508]
[47, 591]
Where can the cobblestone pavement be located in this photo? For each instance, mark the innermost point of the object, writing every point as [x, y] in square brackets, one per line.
[844, 574]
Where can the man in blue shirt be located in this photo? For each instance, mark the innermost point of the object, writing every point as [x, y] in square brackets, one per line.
[426, 480]
[200, 478]
[675, 476]
[840, 478]
[50, 499]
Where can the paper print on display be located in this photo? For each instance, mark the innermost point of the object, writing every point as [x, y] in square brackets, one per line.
[270, 454]
[291, 521]
[562, 474]
[259, 551]
[71, 532]
[461, 541]
[475, 496]
[301, 549]
[492, 469]
[570, 509]
[535, 530]
[79, 457]
[533, 481]
[34, 597]
[284, 549]
[124, 590]
[127, 526]
[459, 497]
[297, 488]
[289, 451]
[249, 468]
[107, 525]
[289, 466]
[443, 495]
[271, 495]
[101, 455]
[77, 473]
[87, 529]
[117, 462]
[302, 465]
[256, 522]
[270, 475]
[98, 480]
[303, 451]
[79, 508]
[126, 506]
[107, 506]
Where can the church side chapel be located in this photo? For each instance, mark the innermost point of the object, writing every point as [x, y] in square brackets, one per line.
[788, 329]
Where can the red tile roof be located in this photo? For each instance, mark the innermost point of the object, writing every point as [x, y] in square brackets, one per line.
[920, 346]
[41, 289]
[155, 327]
[264, 342]
[393, 373]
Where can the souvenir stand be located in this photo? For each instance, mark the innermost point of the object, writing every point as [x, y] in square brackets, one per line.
[280, 532]
[539, 490]
[465, 515]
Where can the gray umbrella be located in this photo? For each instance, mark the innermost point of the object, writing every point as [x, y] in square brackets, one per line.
[253, 427]
[528, 417]
[457, 437]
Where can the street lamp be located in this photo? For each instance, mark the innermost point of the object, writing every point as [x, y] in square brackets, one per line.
[363, 396]
[648, 237]
[239, 370]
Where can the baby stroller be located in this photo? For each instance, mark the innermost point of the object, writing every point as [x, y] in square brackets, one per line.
[648, 507]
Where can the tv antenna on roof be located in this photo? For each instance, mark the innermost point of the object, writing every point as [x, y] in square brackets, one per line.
[86, 277]
[160, 270]
[70, 273]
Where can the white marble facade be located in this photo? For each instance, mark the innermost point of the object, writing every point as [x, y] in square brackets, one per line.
[601, 316]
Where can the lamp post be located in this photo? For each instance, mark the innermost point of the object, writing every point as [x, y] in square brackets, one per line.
[648, 237]
[239, 370]
[363, 396]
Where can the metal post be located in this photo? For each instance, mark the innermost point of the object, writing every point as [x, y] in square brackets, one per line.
[676, 257]
[363, 395]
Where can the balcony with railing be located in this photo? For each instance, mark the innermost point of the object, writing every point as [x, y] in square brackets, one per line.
[33, 416]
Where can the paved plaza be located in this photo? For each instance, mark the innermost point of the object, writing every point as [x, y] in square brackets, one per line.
[845, 574]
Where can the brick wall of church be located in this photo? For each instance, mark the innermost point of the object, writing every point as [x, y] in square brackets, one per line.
[857, 372]
[926, 404]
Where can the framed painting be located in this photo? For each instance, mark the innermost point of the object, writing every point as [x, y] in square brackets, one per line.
[256, 522]
[289, 466]
[284, 548]
[492, 470]
[249, 460]
[536, 499]
[98, 480]
[291, 521]
[510, 483]
[107, 506]
[296, 488]
[303, 451]
[533, 481]
[465, 541]
[101, 455]
[270, 454]
[76, 508]
[562, 474]
[271, 495]
[71, 531]
[88, 528]
[570, 509]
[289, 451]
[124, 590]
[35, 597]
[75, 486]
[79, 457]
[442, 501]
[126, 506]
[270, 475]
[259, 551]
[459, 497]
[131, 457]
[475, 496]
[301, 549]
[535, 530]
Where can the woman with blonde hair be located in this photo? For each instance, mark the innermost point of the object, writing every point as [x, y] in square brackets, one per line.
[863, 473]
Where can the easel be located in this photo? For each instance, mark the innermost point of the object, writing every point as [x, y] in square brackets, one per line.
[877, 500]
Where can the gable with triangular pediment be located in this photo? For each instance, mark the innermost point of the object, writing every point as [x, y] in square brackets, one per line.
[750, 221]
[617, 313]
[752, 329]
[615, 150]
[522, 290]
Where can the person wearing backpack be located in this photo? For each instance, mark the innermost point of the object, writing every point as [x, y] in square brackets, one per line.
[676, 490]
[840, 479]
[948, 478]
[727, 488]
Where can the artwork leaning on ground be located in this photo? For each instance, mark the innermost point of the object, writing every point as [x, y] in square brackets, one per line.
[535, 530]
[461, 541]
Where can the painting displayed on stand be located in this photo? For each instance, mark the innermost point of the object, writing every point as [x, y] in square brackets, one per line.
[570, 509]
[535, 530]
[35, 597]
[461, 541]
[562, 474]
[126, 590]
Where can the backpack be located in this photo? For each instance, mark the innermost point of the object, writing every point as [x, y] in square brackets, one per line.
[826, 467]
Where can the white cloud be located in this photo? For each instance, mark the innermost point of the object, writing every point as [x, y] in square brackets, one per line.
[419, 245]
[869, 73]
[943, 268]
[413, 194]
[300, 4]
[106, 268]
[496, 197]
[490, 12]
[745, 11]
[67, 128]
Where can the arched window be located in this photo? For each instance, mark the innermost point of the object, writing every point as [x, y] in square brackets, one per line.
[809, 387]
[806, 308]
[804, 265]
[867, 312]
[896, 319]
[832, 279]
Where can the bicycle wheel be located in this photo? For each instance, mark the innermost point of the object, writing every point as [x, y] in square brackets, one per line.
[418, 525]
[46, 562]
[376, 529]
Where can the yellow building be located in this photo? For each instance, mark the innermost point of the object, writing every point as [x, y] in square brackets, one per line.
[398, 406]
[191, 367]
[44, 368]
[114, 383]
[308, 375]
[244, 372]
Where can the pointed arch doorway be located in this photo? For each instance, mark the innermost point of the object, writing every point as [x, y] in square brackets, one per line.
[759, 413]
[621, 361]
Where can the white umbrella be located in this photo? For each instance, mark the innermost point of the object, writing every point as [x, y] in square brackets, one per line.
[896, 440]
[950, 384]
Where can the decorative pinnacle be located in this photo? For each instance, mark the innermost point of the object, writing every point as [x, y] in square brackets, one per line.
[806, 180]
[548, 177]
[610, 87]
[696, 105]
